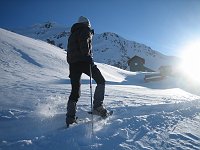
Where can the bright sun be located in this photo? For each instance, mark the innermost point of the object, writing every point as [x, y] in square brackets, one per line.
[191, 59]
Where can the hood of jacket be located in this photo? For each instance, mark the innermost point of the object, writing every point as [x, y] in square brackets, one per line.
[79, 26]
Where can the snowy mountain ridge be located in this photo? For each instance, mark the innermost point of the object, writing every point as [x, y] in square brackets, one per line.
[108, 47]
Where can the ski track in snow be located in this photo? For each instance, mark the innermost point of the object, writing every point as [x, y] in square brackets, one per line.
[34, 89]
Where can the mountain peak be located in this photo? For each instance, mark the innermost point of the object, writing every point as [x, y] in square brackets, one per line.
[45, 25]
[108, 47]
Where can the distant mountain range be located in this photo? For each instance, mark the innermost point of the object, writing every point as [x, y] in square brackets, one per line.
[108, 47]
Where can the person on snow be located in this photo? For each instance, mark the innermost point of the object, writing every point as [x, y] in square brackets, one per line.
[79, 57]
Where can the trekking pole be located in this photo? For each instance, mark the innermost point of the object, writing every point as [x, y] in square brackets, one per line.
[91, 96]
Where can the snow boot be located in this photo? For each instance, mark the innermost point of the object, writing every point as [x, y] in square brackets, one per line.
[100, 111]
[71, 120]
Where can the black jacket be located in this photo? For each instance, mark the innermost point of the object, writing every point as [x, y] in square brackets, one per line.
[79, 46]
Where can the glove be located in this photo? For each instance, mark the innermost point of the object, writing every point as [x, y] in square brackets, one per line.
[88, 59]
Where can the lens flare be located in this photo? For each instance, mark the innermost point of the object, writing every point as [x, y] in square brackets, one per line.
[191, 59]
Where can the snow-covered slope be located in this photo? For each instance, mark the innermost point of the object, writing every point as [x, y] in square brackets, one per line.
[34, 88]
[108, 47]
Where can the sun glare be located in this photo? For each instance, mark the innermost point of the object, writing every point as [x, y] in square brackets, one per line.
[191, 59]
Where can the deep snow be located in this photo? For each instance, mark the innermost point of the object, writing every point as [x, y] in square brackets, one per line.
[34, 88]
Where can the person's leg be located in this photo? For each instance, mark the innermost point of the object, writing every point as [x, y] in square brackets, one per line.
[100, 88]
[75, 76]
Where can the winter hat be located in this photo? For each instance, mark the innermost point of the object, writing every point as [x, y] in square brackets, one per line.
[85, 20]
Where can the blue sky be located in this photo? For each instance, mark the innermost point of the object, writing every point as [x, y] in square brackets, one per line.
[164, 25]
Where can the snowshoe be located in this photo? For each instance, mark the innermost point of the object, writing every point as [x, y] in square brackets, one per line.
[99, 111]
[70, 120]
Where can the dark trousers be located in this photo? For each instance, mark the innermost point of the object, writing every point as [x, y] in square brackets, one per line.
[76, 70]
